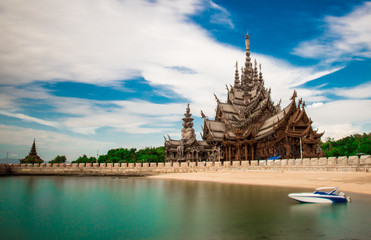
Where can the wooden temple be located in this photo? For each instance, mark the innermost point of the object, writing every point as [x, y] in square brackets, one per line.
[248, 126]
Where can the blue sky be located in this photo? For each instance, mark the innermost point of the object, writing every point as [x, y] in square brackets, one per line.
[87, 76]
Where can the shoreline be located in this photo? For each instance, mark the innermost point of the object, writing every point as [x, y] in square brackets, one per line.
[355, 182]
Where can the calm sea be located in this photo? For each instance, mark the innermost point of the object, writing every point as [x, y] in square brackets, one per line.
[139, 208]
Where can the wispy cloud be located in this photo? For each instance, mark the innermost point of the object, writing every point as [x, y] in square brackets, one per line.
[284, 78]
[341, 118]
[52, 144]
[344, 38]
[29, 118]
[362, 91]
[222, 16]
[150, 37]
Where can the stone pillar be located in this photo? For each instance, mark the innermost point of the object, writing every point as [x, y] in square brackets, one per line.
[110, 165]
[102, 165]
[365, 159]
[262, 162]
[342, 160]
[331, 161]
[322, 161]
[353, 160]
[314, 161]
[236, 163]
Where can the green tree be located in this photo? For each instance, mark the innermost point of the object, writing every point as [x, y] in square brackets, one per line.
[118, 155]
[125, 155]
[59, 159]
[150, 154]
[85, 159]
[348, 146]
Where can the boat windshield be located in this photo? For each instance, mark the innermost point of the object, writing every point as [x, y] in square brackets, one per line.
[326, 190]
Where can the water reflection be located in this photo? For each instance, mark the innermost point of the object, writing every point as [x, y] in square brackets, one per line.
[140, 208]
[327, 210]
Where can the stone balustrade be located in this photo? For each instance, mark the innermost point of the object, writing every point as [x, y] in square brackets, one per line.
[352, 163]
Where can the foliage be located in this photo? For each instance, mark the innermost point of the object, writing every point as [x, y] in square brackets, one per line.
[31, 159]
[348, 146]
[118, 156]
[150, 155]
[124, 155]
[59, 159]
[85, 159]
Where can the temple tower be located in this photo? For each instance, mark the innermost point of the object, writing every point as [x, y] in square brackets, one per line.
[188, 133]
[32, 157]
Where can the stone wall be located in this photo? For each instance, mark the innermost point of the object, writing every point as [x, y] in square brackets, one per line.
[340, 164]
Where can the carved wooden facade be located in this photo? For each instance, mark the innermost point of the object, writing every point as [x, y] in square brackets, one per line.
[188, 148]
[250, 126]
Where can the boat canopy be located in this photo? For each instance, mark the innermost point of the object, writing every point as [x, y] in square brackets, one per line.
[329, 190]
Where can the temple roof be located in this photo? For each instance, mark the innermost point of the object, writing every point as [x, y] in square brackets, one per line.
[268, 126]
[227, 108]
[216, 129]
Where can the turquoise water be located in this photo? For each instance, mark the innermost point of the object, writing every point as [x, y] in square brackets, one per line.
[139, 208]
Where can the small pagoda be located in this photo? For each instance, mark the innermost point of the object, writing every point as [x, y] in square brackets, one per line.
[32, 157]
[188, 148]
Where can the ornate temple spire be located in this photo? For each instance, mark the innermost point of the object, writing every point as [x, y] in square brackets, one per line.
[248, 65]
[188, 133]
[255, 70]
[236, 77]
[33, 151]
[260, 72]
[32, 157]
[187, 120]
[242, 76]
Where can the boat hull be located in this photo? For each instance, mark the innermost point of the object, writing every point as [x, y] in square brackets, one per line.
[316, 198]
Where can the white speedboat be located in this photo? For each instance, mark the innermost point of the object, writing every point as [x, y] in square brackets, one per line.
[321, 195]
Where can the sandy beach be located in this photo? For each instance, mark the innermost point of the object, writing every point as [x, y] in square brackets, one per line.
[357, 182]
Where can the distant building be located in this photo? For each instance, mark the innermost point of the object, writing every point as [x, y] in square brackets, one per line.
[248, 125]
[32, 157]
[188, 148]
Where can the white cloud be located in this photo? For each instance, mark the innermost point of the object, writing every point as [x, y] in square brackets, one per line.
[341, 118]
[357, 92]
[283, 78]
[104, 41]
[85, 116]
[345, 37]
[29, 119]
[129, 116]
[85, 40]
[222, 16]
[51, 144]
[315, 104]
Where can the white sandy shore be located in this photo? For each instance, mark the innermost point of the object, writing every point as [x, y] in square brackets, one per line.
[357, 182]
